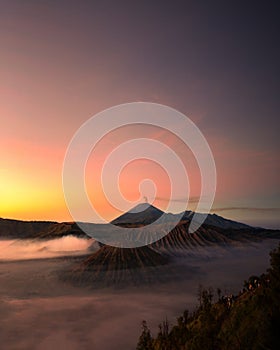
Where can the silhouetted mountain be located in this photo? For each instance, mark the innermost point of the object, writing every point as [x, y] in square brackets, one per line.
[217, 221]
[215, 229]
[142, 214]
[145, 213]
[38, 229]
[116, 266]
[180, 241]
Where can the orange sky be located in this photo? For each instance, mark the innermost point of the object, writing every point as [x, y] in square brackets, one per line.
[31, 186]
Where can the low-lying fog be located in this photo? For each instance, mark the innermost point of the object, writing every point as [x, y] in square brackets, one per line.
[40, 311]
[18, 249]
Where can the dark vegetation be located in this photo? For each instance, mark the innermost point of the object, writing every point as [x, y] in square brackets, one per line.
[250, 320]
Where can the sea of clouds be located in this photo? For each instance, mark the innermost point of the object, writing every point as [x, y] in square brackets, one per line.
[40, 249]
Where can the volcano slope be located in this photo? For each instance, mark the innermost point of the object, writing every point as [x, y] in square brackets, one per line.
[120, 266]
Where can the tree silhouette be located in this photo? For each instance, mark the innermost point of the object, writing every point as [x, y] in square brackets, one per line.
[145, 341]
[250, 320]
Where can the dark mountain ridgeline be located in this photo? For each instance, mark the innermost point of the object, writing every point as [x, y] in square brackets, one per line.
[180, 239]
[145, 214]
[116, 266]
[218, 221]
[17, 229]
[214, 229]
[142, 214]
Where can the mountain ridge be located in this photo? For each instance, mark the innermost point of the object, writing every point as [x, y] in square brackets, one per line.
[141, 215]
[145, 213]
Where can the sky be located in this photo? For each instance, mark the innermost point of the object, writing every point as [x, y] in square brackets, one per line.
[61, 62]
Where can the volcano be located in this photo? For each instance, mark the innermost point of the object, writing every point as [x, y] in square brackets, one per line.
[142, 214]
[112, 265]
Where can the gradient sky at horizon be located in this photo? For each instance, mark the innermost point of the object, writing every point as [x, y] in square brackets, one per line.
[63, 61]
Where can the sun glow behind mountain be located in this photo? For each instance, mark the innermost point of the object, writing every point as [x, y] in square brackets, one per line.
[45, 97]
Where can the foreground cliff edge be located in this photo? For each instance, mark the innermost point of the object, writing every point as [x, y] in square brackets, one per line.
[249, 320]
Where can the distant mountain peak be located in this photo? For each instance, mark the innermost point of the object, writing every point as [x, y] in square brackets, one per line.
[143, 207]
[143, 214]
